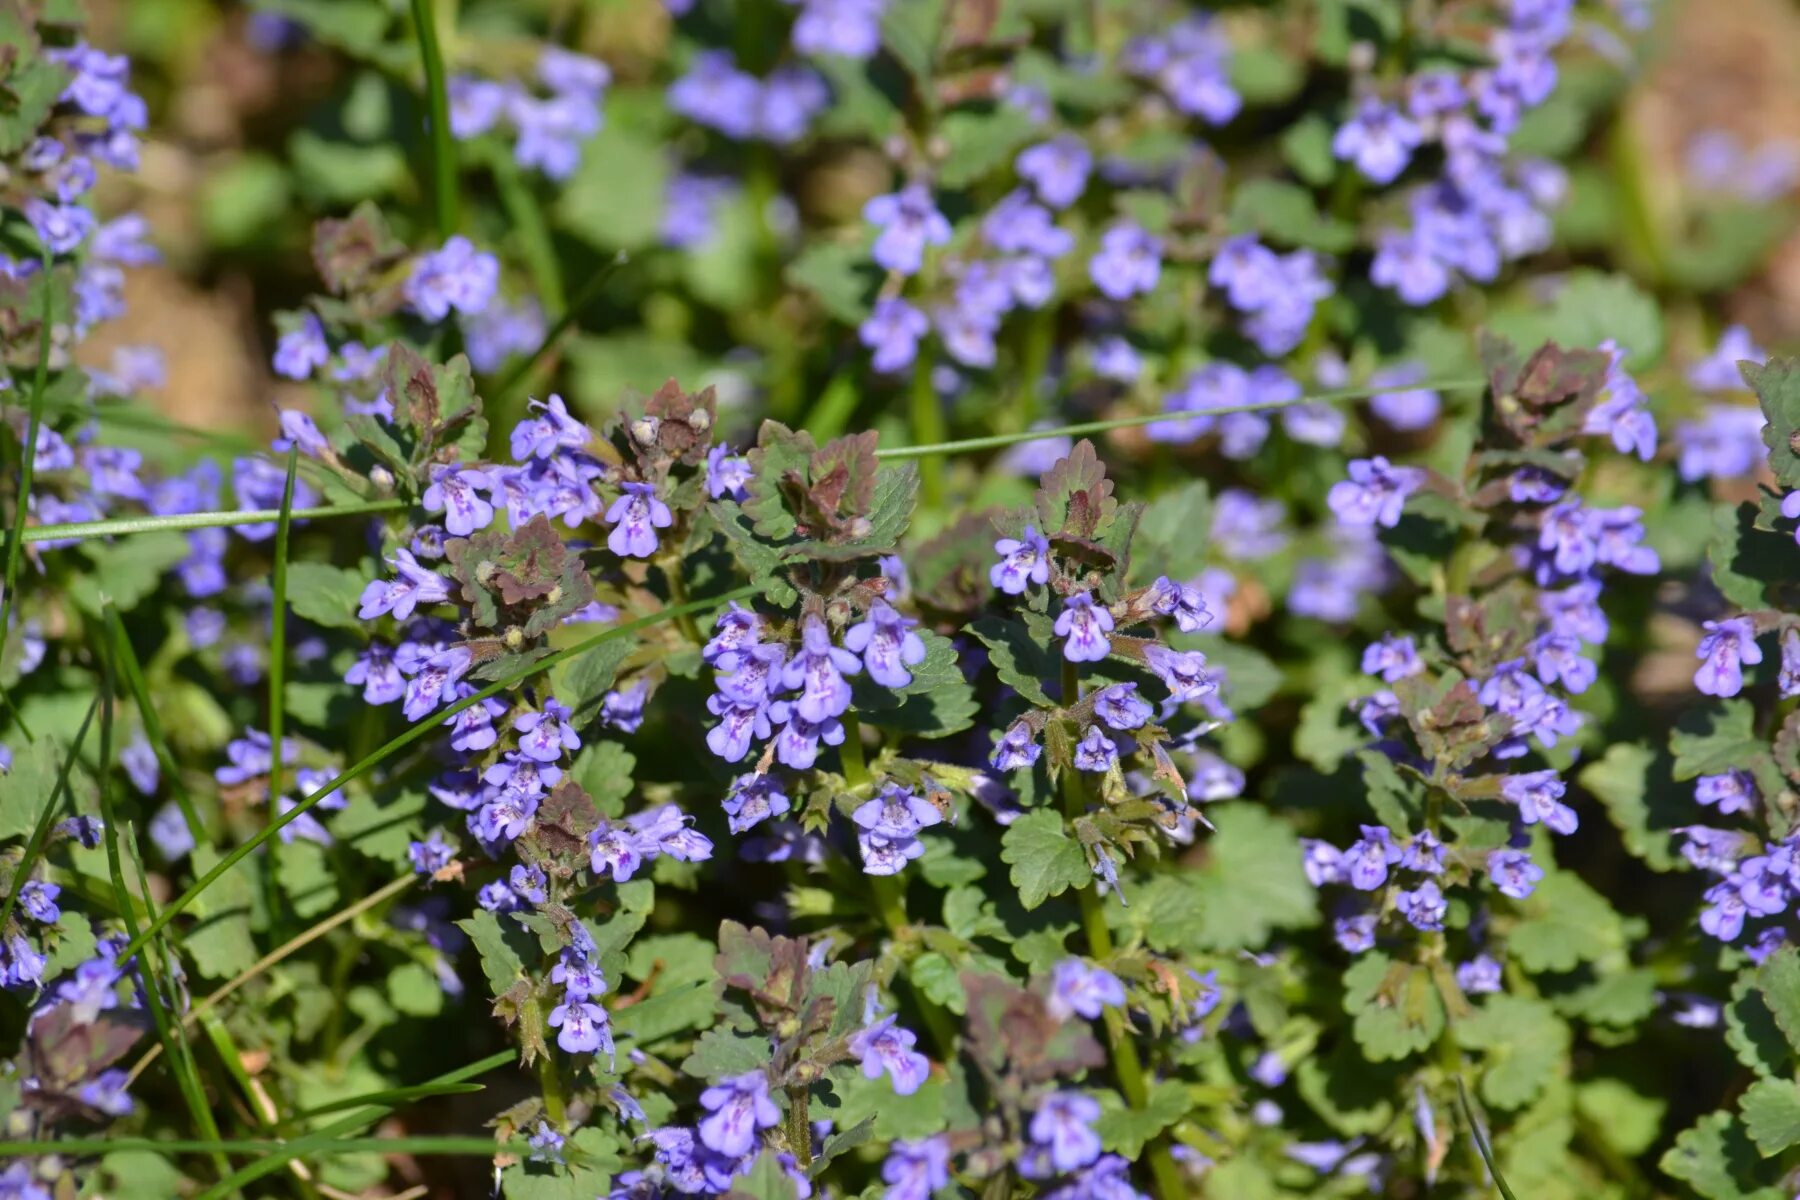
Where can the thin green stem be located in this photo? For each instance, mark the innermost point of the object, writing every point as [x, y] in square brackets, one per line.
[1479, 1136]
[34, 847]
[82, 530]
[550, 1084]
[1128, 1068]
[799, 1125]
[286, 1152]
[927, 430]
[133, 671]
[407, 737]
[187, 1072]
[856, 769]
[526, 216]
[15, 547]
[1000, 441]
[299, 942]
[278, 682]
[444, 196]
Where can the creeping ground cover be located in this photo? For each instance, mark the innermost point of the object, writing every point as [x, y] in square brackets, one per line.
[899, 599]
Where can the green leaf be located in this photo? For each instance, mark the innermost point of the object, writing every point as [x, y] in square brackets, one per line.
[766, 1180]
[1396, 1006]
[1306, 145]
[1778, 978]
[940, 980]
[978, 142]
[126, 570]
[721, 1052]
[1045, 860]
[1567, 923]
[591, 1155]
[584, 680]
[689, 1006]
[919, 1115]
[1751, 1031]
[1628, 1118]
[1352, 1095]
[1632, 782]
[938, 702]
[1397, 800]
[415, 991]
[1524, 1044]
[1771, 1111]
[27, 786]
[326, 595]
[1717, 1159]
[1251, 884]
[382, 825]
[1018, 658]
[604, 771]
[504, 949]
[760, 561]
[1752, 567]
[840, 277]
[1127, 1131]
[1777, 387]
[1590, 307]
[337, 174]
[1169, 540]
[615, 199]
[220, 942]
[1286, 214]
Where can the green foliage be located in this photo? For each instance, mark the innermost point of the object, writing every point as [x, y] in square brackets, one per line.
[1045, 861]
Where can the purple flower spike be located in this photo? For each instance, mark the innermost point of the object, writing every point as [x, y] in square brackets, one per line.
[819, 670]
[1017, 748]
[909, 222]
[1539, 797]
[1513, 873]
[635, 517]
[1084, 625]
[888, 645]
[456, 491]
[584, 1028]
[1379, 139]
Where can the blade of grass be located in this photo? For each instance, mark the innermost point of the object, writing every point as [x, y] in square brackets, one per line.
[187, 1073]
[444, 195]
[336, 1134]
[133, 671]
[448, 1144]
[15, 547]
[34, 846]
[1481, 1142]
[392, 1096]
[278, 682]
[928, 429]
[999, 441]
[413, 733]
[206, 520]
[298, 942]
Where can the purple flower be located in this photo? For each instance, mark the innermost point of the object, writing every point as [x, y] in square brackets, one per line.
[1182, 601]
[139, 761]
[892, 332]
[1718, 371]
[1393, 658]
[431, 855]
[1322, 862]
[909, 222]
[819, 670]
[302, 349]
[1084, 627]
[1726, 443]
[456, 491]
[1078, 989]
[740, 724]
[1016, 749]
[1405, 264]
[1404, 407]
[1557, 658]
[548, 733]
[1365, 864]
[60, 227]
[457, 276]
[1725, 649]
[884, 1046]
[1354, 932]
[476, 106]
[1423, 907]
[300, 430]
[1129, 262]
[1730, 791]
[1063, 1125]
[1183, 672]
[415, 586]
[1539, 797]
[1375, 493]
[1120, 707]
[850, 28]
[376, 670]
[1379, 139]
[740, 1106]
[582, 1027]
[1023, 562]
[550, 433]
[1723, 918]
[623, 708]
[1789, 679]
[727, 475]
[716, 94]
[789, 99]
[1057, 169]
[913, 1170]
[1479, 976]
[37, 900]
[888, 645]
[1095, 752]
[753, 799]
[635, 516]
